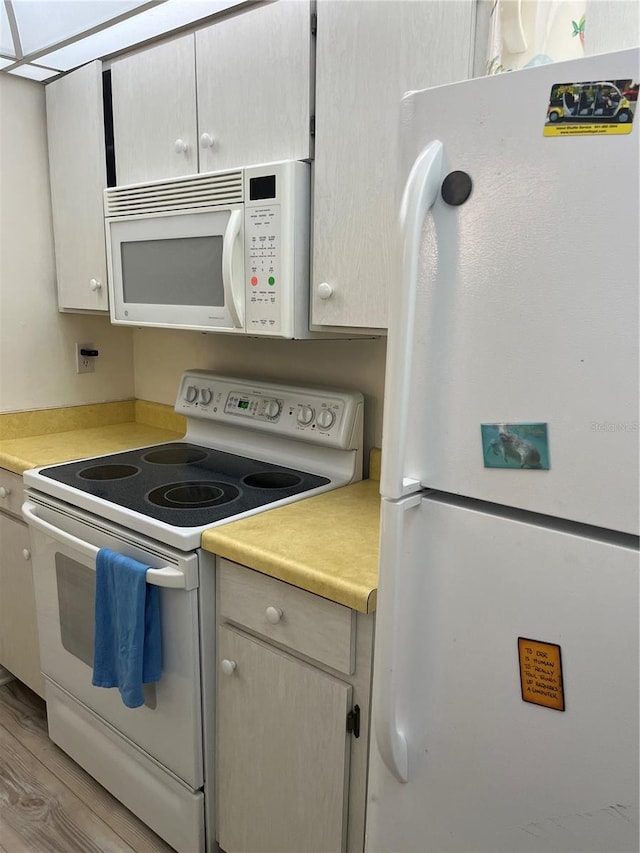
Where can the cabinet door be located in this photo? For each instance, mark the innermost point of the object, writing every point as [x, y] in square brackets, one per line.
[78, 175]
[154, 113]
[610, 29]
[282, 752]
[19, 651]
[367, 56]
[254, 92]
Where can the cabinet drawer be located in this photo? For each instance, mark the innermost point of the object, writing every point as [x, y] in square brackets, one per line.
[302, 621]
[11, 492]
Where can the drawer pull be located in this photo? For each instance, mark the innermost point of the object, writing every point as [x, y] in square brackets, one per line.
[229, 666]
[273, 614]
[4, 492]
[26, 553]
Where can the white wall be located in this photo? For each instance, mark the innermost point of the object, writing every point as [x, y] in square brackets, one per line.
[37, 353]
[161, 356]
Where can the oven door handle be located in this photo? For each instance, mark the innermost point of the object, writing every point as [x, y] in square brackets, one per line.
[166, 576]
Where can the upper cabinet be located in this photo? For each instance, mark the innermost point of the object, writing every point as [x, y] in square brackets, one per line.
[367, 56]
[77, 169]
[233, 94]
[254, 86]
[154, 113]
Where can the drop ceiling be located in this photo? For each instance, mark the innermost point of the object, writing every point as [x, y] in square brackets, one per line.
[39, 39]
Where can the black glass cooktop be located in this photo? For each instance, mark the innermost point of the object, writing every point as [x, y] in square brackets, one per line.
[184, 485]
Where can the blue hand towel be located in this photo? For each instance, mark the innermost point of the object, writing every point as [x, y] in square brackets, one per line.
[127, 646]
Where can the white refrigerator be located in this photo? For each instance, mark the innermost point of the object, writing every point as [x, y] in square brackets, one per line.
[505, 688]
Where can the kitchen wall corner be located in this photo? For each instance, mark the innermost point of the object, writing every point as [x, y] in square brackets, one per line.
[37, 353]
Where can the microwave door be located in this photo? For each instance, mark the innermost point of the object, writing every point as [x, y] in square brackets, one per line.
[179, 270]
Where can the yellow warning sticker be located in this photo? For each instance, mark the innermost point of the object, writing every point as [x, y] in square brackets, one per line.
[541, 673]
[591, 108]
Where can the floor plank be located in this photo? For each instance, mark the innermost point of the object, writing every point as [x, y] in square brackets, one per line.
[39, 780]
[42, 813]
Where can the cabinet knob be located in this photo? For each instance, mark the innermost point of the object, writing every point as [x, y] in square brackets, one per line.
[181, 146]
[94, 284]
[26, 553]
[325, 291]
[228, 666]
[273, 614]
[4, 492]
[207, 141]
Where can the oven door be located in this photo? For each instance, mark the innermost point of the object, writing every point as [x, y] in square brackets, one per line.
[64, 546]
[180, 269]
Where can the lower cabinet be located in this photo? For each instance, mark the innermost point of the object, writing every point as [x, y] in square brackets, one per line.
[19, 652]
[291, 743]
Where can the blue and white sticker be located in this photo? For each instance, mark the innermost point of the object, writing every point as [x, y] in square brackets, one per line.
[518, 446]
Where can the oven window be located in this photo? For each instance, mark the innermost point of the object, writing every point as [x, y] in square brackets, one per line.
[178, 271]
[76, 585]
[76, 591]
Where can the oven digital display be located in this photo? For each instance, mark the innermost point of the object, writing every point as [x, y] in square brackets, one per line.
[243, 404]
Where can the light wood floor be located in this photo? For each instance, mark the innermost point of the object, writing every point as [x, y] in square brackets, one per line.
[48, 804]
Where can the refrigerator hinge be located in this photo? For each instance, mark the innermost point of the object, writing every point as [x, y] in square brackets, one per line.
[353, 721]
[312, 125]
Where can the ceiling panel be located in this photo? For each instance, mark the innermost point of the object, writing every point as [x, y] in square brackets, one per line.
[33, 72]
[42, 23]
[6, 41]
[61, 25]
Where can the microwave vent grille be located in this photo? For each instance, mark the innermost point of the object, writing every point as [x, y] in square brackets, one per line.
[189, 193]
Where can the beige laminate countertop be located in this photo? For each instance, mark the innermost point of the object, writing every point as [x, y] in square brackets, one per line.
[51, 436]
[327, 544]
[20, 454]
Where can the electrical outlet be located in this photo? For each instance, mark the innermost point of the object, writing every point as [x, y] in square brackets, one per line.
[84, 363]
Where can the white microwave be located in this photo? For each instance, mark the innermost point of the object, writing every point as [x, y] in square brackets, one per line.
[221, 251]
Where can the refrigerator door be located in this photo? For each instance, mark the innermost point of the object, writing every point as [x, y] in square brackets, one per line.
[519, 306]
[485, 770]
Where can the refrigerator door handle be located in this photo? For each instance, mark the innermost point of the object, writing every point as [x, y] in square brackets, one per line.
[391, 742]
[420, 193]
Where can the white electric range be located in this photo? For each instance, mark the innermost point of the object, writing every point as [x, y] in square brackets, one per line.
[249, 446]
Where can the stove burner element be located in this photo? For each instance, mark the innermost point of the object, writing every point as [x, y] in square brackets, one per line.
[271, 480]
[108, 472]
[181, 485]
[178, 454]
[195, 495]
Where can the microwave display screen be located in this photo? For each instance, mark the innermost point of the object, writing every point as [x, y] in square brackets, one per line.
[262, 187]
[180, 271]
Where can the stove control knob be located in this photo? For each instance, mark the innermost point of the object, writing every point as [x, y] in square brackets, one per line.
[326, 419]
[272, 409]
[191, 394]
[205, 396]
[305, 415]
[228, 666]
[273, 614]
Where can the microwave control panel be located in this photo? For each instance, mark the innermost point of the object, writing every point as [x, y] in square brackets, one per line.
[263, 269]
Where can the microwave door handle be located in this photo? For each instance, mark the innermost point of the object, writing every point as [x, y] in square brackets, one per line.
[166, 576]
[228, 281]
